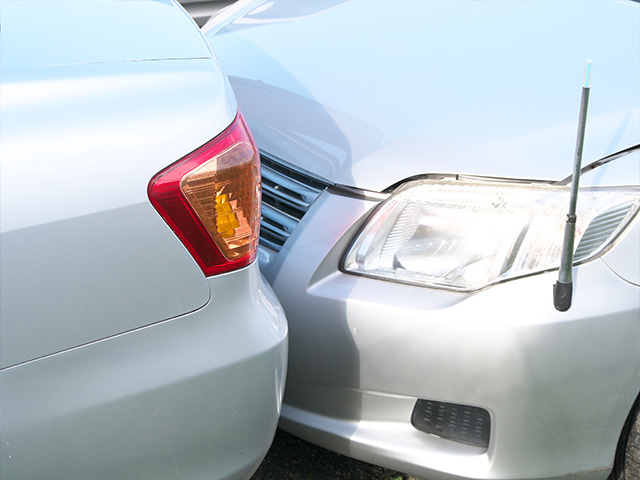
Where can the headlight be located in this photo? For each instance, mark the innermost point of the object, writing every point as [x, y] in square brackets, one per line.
[467, 236]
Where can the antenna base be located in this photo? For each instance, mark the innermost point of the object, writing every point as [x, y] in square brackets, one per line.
[562, 293]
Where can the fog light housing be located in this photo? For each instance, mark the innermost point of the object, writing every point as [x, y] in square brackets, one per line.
[460, 423]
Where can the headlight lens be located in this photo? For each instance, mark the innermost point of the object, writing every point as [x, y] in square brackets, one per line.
[467, 236]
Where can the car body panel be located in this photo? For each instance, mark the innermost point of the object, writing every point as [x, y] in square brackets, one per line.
[35, 281]
[362, 351]
[505, 105]
[119, 357]
[58, 104]
[109, 32]
[93, 171]
[194, 397]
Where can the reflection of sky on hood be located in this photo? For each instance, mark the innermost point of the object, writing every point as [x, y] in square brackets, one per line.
[500, 80]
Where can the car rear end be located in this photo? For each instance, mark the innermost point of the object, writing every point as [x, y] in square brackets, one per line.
[138, 339]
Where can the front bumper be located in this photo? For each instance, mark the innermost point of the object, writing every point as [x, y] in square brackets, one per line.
[197, 396]
[557, 386]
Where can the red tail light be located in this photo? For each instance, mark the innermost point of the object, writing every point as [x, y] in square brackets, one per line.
[211, 200]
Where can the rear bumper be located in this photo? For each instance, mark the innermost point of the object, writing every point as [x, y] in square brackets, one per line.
[557, 386]
[197, 396]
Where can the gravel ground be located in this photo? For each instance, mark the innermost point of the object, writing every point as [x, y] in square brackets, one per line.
[291, 458]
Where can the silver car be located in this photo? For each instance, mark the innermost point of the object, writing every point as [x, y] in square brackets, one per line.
[417, 162]
[138, 339]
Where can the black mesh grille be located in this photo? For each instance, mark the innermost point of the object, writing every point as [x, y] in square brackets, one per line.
[460, 423]
[287, 195]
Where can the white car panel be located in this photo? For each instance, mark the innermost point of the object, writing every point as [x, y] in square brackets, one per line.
[194, 397]
[41, 32]
[87, 166]
[119, 358]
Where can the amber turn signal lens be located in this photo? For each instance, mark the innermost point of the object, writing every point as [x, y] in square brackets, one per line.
[211, 200]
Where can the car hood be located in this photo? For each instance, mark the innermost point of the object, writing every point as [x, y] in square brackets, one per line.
[367, 94]
[115, 32]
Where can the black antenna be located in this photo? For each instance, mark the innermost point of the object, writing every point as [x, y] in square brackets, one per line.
[563, 288]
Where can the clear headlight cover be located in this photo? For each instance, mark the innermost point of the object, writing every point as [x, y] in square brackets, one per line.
[467, 236]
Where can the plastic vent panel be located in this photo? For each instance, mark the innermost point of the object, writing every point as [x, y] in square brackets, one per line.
[287, 194]
[460, 423]
[601, 229]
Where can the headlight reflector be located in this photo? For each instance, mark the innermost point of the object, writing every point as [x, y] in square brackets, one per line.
[466, 236]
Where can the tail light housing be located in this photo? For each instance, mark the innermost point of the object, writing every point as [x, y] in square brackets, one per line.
[211, 200]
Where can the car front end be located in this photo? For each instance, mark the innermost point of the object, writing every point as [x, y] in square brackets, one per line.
[414, 199]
